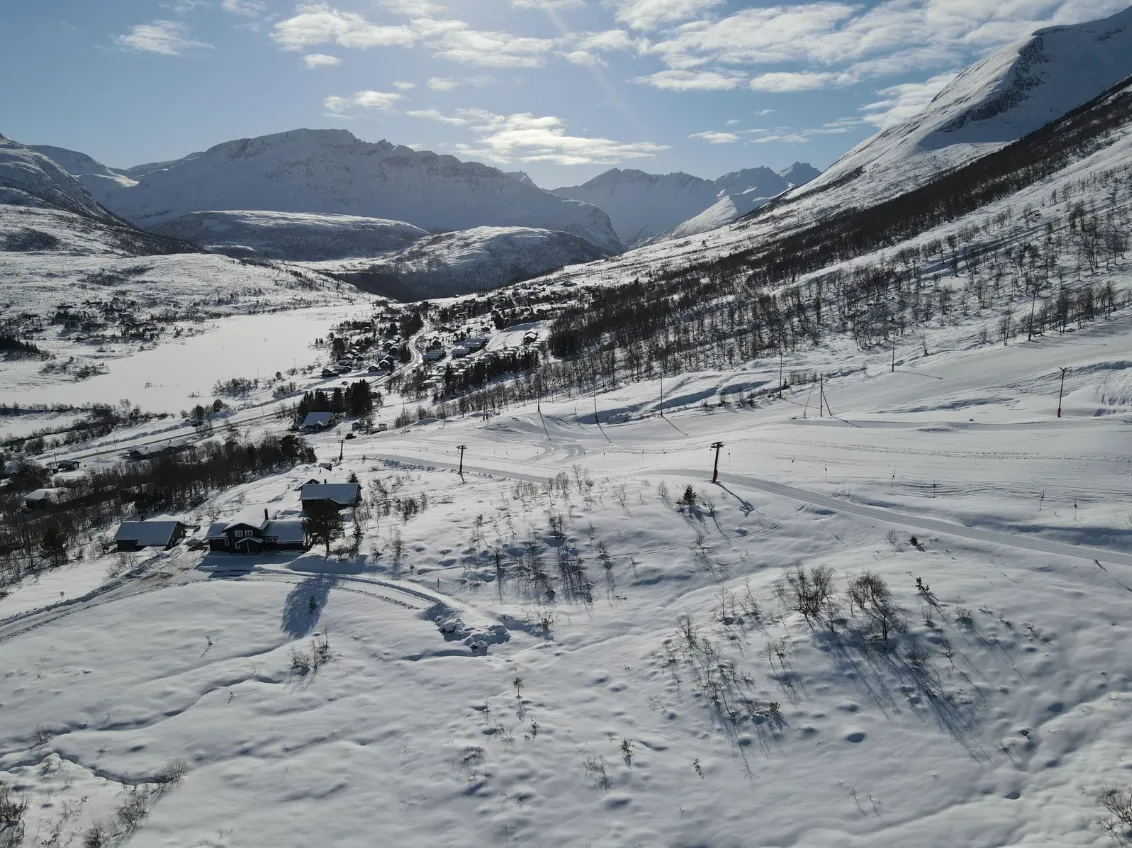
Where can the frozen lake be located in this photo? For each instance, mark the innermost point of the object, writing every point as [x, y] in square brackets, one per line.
[179, 373]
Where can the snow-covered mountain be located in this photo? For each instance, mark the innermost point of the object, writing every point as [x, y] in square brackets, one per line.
[465, 261]
[646, 206]
[799, 174]
[292, 235]
[100, 180]
[28, 178]
[999, 99]
[333, 172]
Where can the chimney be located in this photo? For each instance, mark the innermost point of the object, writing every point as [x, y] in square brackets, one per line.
[265, 518]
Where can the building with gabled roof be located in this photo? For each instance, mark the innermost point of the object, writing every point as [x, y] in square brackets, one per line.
[342, 495]
[161, 532]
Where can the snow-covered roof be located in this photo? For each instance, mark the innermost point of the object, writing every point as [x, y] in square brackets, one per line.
[345, 494]
[216, 529]
[46, 495]
[317, 419]
[286, 530]
[147, 533]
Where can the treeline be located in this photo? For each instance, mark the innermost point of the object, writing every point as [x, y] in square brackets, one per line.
[13, 347]
[30, 541]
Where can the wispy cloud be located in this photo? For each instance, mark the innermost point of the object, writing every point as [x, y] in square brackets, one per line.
[318, 23]
[528, 138]
[245, 8]
[716, 137]
[382, 101]
[442, 84]
[167, 38]
[401, 85]
[800, 80]
[320, 60]
[438, 116]
[648, 14]
[680, 80]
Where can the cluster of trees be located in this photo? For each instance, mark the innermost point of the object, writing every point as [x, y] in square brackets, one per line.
[13, 347]
[358, 400]
[32, 540]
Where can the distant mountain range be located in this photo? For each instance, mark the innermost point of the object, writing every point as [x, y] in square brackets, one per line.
[644, 207]
[318, 195]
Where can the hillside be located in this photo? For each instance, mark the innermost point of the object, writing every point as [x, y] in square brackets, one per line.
[291, 236]
[470, 260]
[101, 181]
[43, 208]
[330, 172]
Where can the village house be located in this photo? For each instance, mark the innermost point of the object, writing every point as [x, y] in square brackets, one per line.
[162, 532]
[67, 465]
[44, 498]
[343, 495]
[317, 421]
[251, 534]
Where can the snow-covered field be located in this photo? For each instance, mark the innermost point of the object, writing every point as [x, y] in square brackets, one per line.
[181, 372]
[681, 703]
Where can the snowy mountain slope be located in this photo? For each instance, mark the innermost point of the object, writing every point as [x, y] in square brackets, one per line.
[292, 236]
[640, 205]
[136, 172]
[465, 261]
[728, 208]
[28, 178]
[332, 172]
[43, 208]
[799, 174]
[644, 207]
[995, 101]
[100, 180]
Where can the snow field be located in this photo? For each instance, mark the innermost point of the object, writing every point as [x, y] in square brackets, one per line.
[986, 724]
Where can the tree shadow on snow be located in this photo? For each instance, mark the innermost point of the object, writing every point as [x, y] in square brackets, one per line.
[304, 603]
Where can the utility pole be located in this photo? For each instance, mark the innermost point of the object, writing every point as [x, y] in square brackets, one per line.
[1033, 303]
[595, 404]
[715, 472]
[821, 395]
[893, 371]
[1061, 391]
[461, 448]
[662, 393]
[341, 448]
[780, 372]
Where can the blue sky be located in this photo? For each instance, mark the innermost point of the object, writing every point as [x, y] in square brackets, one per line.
[562, 89]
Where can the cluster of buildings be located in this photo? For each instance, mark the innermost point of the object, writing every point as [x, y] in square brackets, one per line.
[247, 533]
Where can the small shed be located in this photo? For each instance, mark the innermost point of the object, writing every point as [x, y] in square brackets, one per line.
[155, 533]
[67, 465]
[343, 495]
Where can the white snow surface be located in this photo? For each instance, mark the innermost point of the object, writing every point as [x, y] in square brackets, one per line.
[333, 172]
[289, 235]
[456, 709]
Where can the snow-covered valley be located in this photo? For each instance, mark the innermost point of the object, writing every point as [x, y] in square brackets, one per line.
[811, 530]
